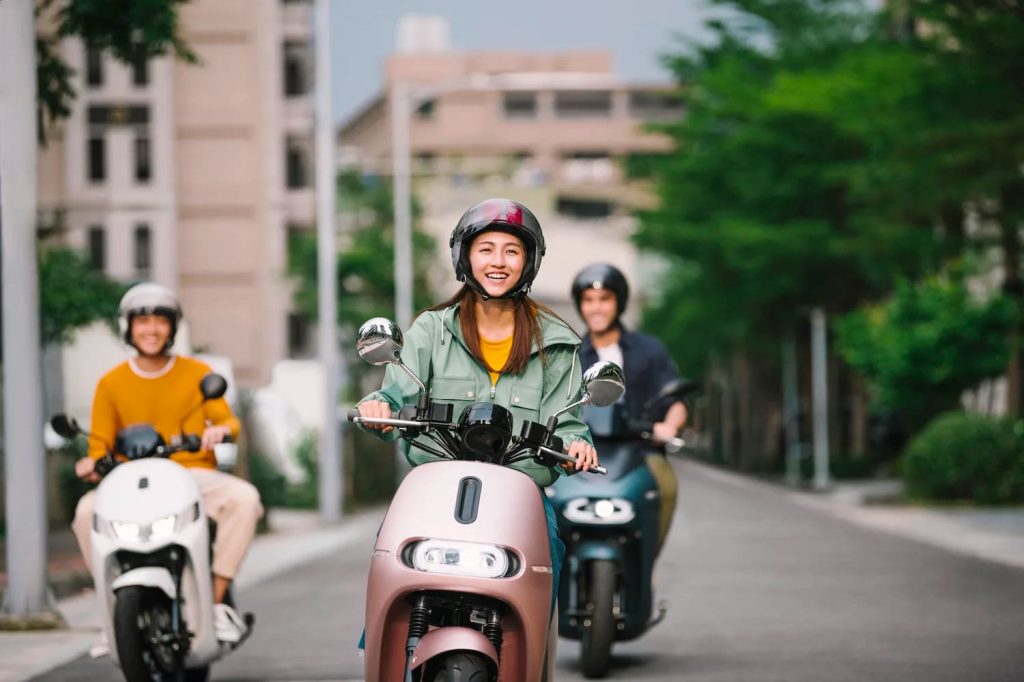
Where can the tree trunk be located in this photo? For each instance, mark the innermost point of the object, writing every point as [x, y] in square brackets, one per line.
[858, 416]
[1011, 204]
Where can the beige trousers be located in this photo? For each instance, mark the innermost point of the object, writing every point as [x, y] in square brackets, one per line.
[232, 502]
[668, 488]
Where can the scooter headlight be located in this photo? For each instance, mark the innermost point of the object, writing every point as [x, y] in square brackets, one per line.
[599, 512]
[160, 529]
[163, 528]
[460, 558]
[127, 532]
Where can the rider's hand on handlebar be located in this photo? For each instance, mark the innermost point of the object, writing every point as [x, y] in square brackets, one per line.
[213, 435]
[85, 469]
[663, 432]
[376, 409]
[585, 454]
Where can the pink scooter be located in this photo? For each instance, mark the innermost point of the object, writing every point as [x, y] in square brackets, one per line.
[460, 577]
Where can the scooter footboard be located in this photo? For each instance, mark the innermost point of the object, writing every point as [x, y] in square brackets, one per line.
[450, 639]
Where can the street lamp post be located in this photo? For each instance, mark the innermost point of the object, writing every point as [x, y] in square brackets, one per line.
[331, 460]
[24, 461]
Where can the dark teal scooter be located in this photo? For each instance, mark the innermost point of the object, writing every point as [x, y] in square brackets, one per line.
[609, 525]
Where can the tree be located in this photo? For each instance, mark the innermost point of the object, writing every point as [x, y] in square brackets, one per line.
[72, 294]
[366, 283]
[926, 345]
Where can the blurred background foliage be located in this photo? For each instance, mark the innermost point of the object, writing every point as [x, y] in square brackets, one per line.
[866, 162]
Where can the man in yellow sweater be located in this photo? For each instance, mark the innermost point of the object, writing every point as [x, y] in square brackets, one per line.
[158, 388]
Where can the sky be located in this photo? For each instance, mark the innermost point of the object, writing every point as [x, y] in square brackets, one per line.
[635, 31]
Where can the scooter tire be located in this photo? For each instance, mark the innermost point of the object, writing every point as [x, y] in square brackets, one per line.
[463, 666]
[597, 637]
[198, 674]
[132, 648]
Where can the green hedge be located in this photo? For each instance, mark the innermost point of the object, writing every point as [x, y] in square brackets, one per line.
[966, 457]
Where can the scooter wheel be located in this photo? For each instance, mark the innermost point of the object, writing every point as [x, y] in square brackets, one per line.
[141, 615]
[598, 635]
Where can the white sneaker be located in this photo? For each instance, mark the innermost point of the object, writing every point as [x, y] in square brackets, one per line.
[101, 647]
[228, 625]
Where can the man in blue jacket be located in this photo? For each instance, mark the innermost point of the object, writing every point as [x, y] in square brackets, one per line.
[601, 293]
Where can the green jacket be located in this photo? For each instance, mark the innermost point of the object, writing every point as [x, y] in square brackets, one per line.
[436, 352]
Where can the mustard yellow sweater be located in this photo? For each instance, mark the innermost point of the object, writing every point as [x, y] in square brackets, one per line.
[125, 397]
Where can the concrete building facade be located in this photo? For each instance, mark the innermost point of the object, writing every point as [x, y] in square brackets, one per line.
[192, 174]
[554, 130]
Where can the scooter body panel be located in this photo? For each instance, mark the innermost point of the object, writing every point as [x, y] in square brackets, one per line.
[631, 542]
[141, 492]
[430, 503]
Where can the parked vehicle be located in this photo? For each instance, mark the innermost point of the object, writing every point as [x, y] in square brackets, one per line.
[151, 553]
[460, 577]
[610, 528]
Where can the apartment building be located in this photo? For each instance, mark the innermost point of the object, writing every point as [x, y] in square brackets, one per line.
[192, 174]
[554, 130]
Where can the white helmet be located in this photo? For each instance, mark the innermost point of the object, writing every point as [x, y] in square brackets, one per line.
[148, 298]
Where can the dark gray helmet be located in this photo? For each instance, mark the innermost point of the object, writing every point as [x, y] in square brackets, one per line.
[505, 215]
[601, 276]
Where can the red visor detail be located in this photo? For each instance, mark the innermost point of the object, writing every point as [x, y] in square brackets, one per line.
[502, 211]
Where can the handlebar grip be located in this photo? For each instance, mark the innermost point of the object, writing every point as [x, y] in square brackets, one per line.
[104, 465]
[352, 414]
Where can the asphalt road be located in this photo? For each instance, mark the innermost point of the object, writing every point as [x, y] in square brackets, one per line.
[760, 588]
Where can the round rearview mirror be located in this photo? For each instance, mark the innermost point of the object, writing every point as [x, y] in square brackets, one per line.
[64, 426]
[603, 383]
[213, 386]
[379, 341]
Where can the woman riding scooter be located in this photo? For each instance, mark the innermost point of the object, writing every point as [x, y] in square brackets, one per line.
[491, 342]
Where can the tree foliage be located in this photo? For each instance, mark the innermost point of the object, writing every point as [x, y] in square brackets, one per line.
[830, 151]
[366, 281]
[72, 294]
[928, 344]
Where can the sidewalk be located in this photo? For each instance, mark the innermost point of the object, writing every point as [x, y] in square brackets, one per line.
[994, 534]
[296, 537]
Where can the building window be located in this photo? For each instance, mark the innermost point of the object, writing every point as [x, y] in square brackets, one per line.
[298, 335]
[296, 164]
[427, 109]
[143, 160]
[520, 105]
[297, 67]
[584, 208]
[93, 66]
[97, 248]
[655, 106]
[583, 104]
[97, 155]
[143, 250]
[140, 70]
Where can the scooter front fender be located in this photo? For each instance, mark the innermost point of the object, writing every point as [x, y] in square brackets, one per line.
[452, 638]
[598, 551]
[147, 576]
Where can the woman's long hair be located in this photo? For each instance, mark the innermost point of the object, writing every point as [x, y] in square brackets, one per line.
[527, 329]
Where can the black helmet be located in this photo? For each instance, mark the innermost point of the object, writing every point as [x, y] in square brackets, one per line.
[601, 276]
[505, 215]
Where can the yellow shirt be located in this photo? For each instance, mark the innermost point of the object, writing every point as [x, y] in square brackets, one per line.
[495, 355]
[126, 396]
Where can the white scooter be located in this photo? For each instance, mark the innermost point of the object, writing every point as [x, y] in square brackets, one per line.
[151, 555]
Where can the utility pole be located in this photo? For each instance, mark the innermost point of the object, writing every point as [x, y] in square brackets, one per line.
[25, 463]
[402, 197]
[791, 409]
[401, 194]
[819, 379]
[331, 463]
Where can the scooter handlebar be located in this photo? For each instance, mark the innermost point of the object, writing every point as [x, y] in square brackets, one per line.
[569, 458]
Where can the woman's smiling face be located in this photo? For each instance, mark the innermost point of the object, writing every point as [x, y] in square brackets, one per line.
[496, 260]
